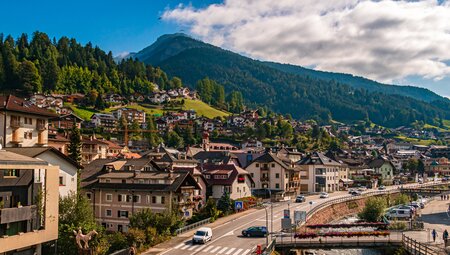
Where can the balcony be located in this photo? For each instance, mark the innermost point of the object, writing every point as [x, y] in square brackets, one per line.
[264, 168]
[9, 215]
[16, 137]
[15, 124]
[265, 179]
[41, 127]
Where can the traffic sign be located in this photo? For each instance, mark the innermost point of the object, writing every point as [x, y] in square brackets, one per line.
[238, 205]
[299, 216]
[287, 214]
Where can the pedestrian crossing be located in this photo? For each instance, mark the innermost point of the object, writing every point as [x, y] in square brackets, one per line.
[213, 249]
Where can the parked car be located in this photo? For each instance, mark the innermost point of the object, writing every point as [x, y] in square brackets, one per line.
[382, 187]
[323, 195]
[356, 193]
[300, 199]
[350, 191]
[202, 235]
[397, 213]
[255, 231]
[417, 204]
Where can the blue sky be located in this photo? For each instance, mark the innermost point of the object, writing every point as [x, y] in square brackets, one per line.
[114, 25]
[398, 42]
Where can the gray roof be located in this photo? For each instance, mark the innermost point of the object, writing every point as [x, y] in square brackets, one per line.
[10, 158]
[33, 152]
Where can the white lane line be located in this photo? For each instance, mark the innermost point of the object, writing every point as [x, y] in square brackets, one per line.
[224, 249]
[186, 246]
[193, 247]
[200, 248]
[230, 251]
[215, 249]
[238, 252]
[208, 248]
[245, 252]
[178, 246]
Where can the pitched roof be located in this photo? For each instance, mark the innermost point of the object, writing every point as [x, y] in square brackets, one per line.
[318, 158]
[231, 170]
[270, 157]
[15, 104]
[33, 152]
[11, 158]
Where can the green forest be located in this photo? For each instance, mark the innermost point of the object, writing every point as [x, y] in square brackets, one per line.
[41, 64]
[303, 96]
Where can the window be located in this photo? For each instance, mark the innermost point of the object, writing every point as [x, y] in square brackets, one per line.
[207, 176]
[148, 199]
[61, 181]
[277, 176]
[11, 173]
[28, 121]
[163, 200]
[252, 175]
[109, 197]
[277, 185]
[108, 180]
[89, 195]
[136, 199]
[273, 164]
[124, 181]
[141, 181]
[108, 213]
[153, 200]
[122, 198]
[122, 214]
[257, 165]
[28, 135]
[129, 198]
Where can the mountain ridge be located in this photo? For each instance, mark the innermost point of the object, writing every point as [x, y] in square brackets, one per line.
[303, 96]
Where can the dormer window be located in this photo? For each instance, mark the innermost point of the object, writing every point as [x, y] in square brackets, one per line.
[128, 167]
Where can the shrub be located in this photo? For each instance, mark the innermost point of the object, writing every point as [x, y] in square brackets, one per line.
[374, 209]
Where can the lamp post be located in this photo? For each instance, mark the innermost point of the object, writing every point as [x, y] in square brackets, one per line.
[267, 226]
[271, 213]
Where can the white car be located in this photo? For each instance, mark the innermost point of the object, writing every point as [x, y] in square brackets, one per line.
[323, 195]
[202, 235]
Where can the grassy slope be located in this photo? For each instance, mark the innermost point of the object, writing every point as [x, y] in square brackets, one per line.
[416, 141]
[83, 113]
[203, 109]
[148, 110]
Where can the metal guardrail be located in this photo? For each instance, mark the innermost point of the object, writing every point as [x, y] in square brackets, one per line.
[192, 226]
[417, 248]
[121, 252]
[372, 193]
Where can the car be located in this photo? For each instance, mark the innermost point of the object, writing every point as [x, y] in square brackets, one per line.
[356, 193]
[382, 187]
[255, 231]
[323, 195]
[397, 213]
[350, 191]
[300, 199]
[202, 235]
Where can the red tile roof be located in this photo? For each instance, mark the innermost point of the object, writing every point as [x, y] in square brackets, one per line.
[15, 104]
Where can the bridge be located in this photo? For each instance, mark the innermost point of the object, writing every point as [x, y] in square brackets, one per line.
[425, 191]
[388, 243]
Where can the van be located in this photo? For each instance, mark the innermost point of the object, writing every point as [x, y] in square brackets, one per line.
[397, 213]
[202, 235]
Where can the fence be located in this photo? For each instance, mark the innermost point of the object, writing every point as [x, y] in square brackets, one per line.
[372, 193]
[416, 248]
[192, 226]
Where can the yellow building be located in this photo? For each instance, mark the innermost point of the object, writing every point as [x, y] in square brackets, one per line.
[28, 203]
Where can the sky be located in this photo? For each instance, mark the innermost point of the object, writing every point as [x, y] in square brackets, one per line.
[396, 42]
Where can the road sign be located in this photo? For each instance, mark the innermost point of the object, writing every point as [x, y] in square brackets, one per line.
[299, 216]
[286, 224]
[287, 214]
[238, 205]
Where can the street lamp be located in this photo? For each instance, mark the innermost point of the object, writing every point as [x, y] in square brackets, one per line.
[271, 213]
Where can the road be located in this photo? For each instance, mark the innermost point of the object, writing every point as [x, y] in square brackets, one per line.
[227, 239]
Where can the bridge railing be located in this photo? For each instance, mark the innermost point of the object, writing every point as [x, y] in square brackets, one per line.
[417, 248]
[371, 193]
[192, 226]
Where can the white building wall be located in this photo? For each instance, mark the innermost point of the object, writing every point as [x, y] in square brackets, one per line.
[66, 170]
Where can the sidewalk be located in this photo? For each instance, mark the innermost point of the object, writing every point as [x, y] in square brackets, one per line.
[434, 216]
[180, 238]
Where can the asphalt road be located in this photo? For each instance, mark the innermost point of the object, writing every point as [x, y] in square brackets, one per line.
[227, 238]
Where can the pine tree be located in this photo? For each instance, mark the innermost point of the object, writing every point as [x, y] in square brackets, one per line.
[75, 144]
[29, 77]
[99, 103]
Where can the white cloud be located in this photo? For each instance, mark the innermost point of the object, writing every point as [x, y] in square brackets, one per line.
[384, 40]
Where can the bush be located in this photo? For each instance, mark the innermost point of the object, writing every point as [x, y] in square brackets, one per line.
[118, 241]
[136, 237]
[401, 199]
[374, 209]
[397, 226]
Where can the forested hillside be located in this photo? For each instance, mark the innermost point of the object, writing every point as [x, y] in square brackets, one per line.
[65, 66]
[304, 97]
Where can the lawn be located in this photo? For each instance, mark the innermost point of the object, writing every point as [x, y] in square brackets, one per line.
[147, 109]
[83, 113]
[416, 141]
[203, 109]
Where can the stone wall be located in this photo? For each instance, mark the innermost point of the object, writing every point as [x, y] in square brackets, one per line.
[340, 210]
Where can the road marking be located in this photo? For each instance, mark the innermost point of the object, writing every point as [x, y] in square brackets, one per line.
[191, 248]
[186, 246]
[178, 246]
[208, 248]
[223, 250]
[230, 251]
[200, 248]
[238, 252]
[215, 249]
[245, 252]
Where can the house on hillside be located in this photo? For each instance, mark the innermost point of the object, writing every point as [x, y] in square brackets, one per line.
[383, 167]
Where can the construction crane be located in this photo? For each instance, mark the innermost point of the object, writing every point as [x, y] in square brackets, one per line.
[126, 130]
